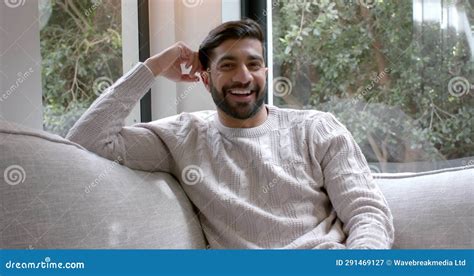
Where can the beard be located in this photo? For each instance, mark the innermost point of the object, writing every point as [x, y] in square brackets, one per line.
[238, 110]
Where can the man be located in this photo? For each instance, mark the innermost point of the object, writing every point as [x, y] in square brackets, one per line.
[261, 177]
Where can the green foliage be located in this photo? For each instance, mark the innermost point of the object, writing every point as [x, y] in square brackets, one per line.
[384, 75]
[81, 42]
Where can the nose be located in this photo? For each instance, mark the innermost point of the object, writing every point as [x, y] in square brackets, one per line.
[242, 75]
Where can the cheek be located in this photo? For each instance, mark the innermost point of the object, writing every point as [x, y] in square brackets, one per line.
[261, 79]
[220, 80]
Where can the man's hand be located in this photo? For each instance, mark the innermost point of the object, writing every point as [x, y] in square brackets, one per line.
[168, 63]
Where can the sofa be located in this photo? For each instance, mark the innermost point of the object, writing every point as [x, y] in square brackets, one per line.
[55, 194]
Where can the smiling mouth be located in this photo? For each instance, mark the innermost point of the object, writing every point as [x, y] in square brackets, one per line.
[240, 92]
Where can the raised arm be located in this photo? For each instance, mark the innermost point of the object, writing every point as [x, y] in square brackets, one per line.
[101, 128]
[368, 222]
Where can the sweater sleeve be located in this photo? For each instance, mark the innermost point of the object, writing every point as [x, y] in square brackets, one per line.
[101, 129]
[359, 203]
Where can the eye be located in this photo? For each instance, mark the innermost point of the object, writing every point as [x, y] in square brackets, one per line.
[254, 66]
[226, 66]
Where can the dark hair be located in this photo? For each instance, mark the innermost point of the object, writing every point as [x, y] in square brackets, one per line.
[246, 28]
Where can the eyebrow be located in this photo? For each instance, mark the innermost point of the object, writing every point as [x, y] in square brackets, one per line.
[233, 58]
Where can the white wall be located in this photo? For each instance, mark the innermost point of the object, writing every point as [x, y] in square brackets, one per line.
[170, 21]
[230, 10]
[20, 61]
[162, 35]
[188, 21]
[130, 48]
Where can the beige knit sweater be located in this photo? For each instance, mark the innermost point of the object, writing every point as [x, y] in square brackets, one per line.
[297, 181]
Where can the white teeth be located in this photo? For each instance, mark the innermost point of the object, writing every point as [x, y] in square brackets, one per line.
[240, 92]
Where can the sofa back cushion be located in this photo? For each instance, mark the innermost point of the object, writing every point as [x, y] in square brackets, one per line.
[432, 209]
[55, 194]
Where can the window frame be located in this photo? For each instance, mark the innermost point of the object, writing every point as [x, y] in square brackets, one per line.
[144, 53]
[257, 10]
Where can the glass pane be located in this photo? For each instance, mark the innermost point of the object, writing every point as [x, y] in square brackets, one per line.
[398, 74]
[81, 49]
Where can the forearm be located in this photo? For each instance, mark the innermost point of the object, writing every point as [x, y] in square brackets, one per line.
[101, 124]
[367, 219]
[359, 203]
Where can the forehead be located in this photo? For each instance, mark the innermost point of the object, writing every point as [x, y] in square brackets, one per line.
[238, 49]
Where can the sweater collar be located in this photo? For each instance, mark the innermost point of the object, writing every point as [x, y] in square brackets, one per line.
[270, 123]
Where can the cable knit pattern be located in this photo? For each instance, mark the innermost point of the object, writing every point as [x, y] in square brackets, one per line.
[298, 181]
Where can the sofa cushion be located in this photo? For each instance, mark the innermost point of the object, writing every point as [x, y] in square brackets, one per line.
[55, 194]
[431, 209]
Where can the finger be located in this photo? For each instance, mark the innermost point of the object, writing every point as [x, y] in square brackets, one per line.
[189, 62]
[196, 65]
[186, 55]
[181, 55]
[189, 78]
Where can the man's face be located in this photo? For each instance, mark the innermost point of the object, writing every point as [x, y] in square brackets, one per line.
[237, 77]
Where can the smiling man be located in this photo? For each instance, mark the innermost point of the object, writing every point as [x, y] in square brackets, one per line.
[237, 80]
[261, 177]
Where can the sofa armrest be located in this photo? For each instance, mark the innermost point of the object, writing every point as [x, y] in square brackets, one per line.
[58, 195]
[431, 209]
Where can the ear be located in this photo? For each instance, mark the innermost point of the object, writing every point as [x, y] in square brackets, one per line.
[205, 74]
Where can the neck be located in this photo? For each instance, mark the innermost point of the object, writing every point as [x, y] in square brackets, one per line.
[258, 119]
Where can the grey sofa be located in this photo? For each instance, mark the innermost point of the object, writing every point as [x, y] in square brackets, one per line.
[55, 194]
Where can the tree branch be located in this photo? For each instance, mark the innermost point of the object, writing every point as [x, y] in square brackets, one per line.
[66, 9]
[78, 13]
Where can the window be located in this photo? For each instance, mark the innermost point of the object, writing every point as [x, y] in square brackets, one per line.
[81, 48]
[398, 74]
